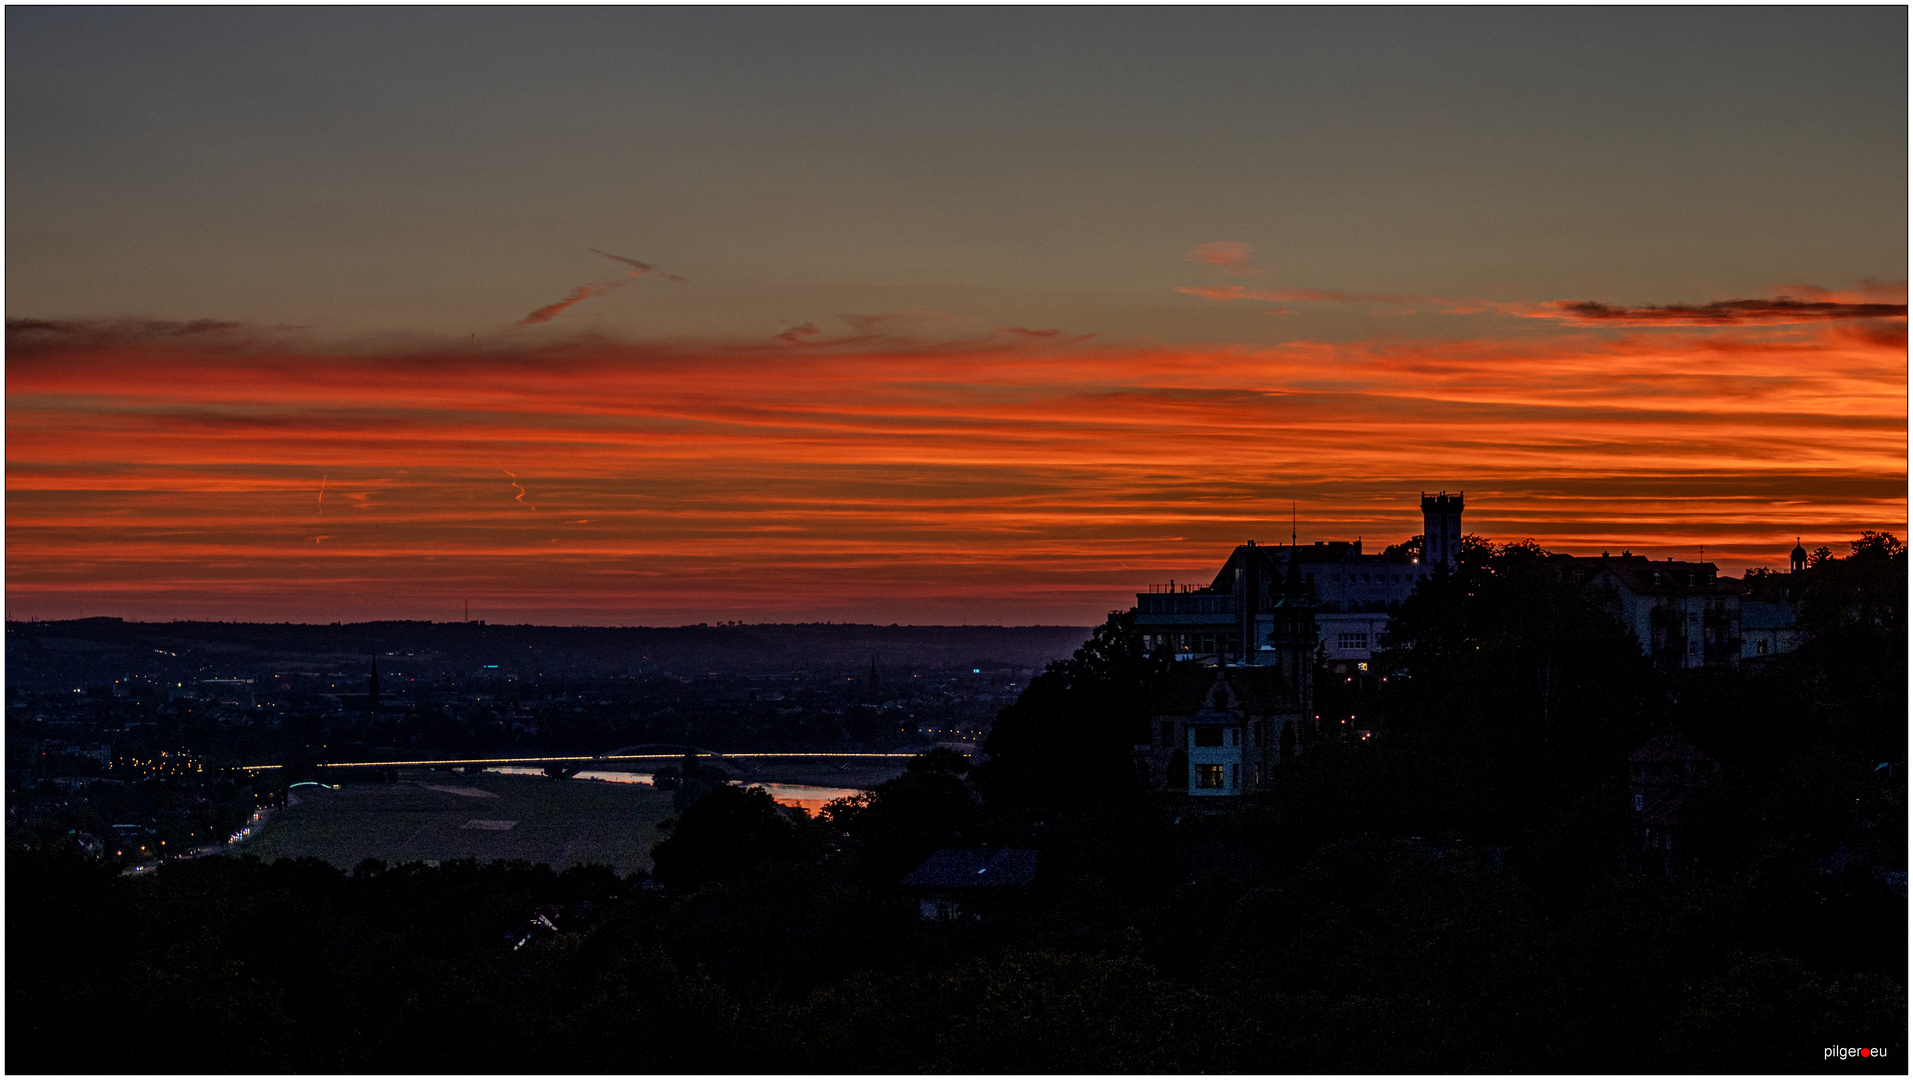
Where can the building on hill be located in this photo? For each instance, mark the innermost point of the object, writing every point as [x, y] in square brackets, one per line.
[955, 883]
[1239, 698]
[1683, 613]
[1660, 776]
[1441, 528]
[1767, 629]
[1350, 591]
[1222, 730]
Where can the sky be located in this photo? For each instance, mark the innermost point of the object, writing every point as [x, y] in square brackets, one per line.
[655, 316]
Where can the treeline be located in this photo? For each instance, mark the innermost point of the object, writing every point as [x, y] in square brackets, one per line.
[1463, 891]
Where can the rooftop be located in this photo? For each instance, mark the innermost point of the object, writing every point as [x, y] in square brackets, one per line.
[974, 868]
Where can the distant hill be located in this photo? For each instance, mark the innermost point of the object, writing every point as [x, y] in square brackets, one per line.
[106, 648]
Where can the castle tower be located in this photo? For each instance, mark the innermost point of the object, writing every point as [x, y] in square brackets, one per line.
[1440, 529]
[1799, 556]
[1293, 635]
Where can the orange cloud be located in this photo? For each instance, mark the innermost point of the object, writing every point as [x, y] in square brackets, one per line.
[1000, 477]
[1782, 309]
[1229, 255]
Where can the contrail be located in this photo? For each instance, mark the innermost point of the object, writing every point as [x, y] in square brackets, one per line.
[514, 483]
[639, 268]
[551, 311]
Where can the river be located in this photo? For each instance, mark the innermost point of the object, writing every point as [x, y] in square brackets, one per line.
[808, 797]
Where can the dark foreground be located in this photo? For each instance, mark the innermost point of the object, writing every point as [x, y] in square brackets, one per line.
[1144, 945]
[1467, 890]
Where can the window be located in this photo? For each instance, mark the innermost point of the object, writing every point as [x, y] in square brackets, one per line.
[1209, 776]
[1255, 771]
[1760, 647]
[1235, 778]
[1352, 639]
[1207, 736]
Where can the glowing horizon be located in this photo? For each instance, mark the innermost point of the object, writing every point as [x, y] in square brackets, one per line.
[929, 315]
[889, 476]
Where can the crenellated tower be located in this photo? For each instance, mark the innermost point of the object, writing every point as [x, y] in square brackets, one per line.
[1440, 529]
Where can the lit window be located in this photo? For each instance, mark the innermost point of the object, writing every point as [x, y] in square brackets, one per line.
[1209, 776]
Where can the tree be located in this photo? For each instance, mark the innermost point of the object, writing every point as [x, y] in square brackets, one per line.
[1511, 667]
[1865, 591]
[1410, 548]
[721, 835]
[1069, 738]
[906, 819]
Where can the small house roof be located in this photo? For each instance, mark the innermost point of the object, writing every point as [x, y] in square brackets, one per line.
[1188, 688]
[1645, 577]
[974, 868]
[1755, 615]
[1668, 748]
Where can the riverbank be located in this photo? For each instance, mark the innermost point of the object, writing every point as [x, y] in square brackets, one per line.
[431, 817]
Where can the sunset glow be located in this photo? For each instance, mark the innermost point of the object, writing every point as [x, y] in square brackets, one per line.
[665, 315]
[1008, 476]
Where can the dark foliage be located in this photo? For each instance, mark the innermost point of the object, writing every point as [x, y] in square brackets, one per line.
[1068, 739]
[903, 821]
[1464, 892]
[727, 831]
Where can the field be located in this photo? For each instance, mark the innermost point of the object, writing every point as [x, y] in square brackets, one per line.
[436, 816]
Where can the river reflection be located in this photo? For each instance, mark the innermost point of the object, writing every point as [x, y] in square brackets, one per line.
[809, 797]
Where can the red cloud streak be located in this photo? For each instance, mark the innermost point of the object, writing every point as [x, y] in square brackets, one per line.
[1016, 477]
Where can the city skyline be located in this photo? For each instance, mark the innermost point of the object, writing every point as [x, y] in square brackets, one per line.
[660, 316]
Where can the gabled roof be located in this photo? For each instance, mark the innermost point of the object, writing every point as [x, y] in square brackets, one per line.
[1189, 688]
[1668, 748]
[1272, 562]
[1645, 577]
[974, 868]
[1755, 615]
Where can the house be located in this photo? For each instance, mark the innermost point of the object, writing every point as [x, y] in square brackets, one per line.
[1230, 620]
[1660, 777]
[959, 882]
[1767, 630]
[1239, 697]
[1684, 615]
[1221, 730]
